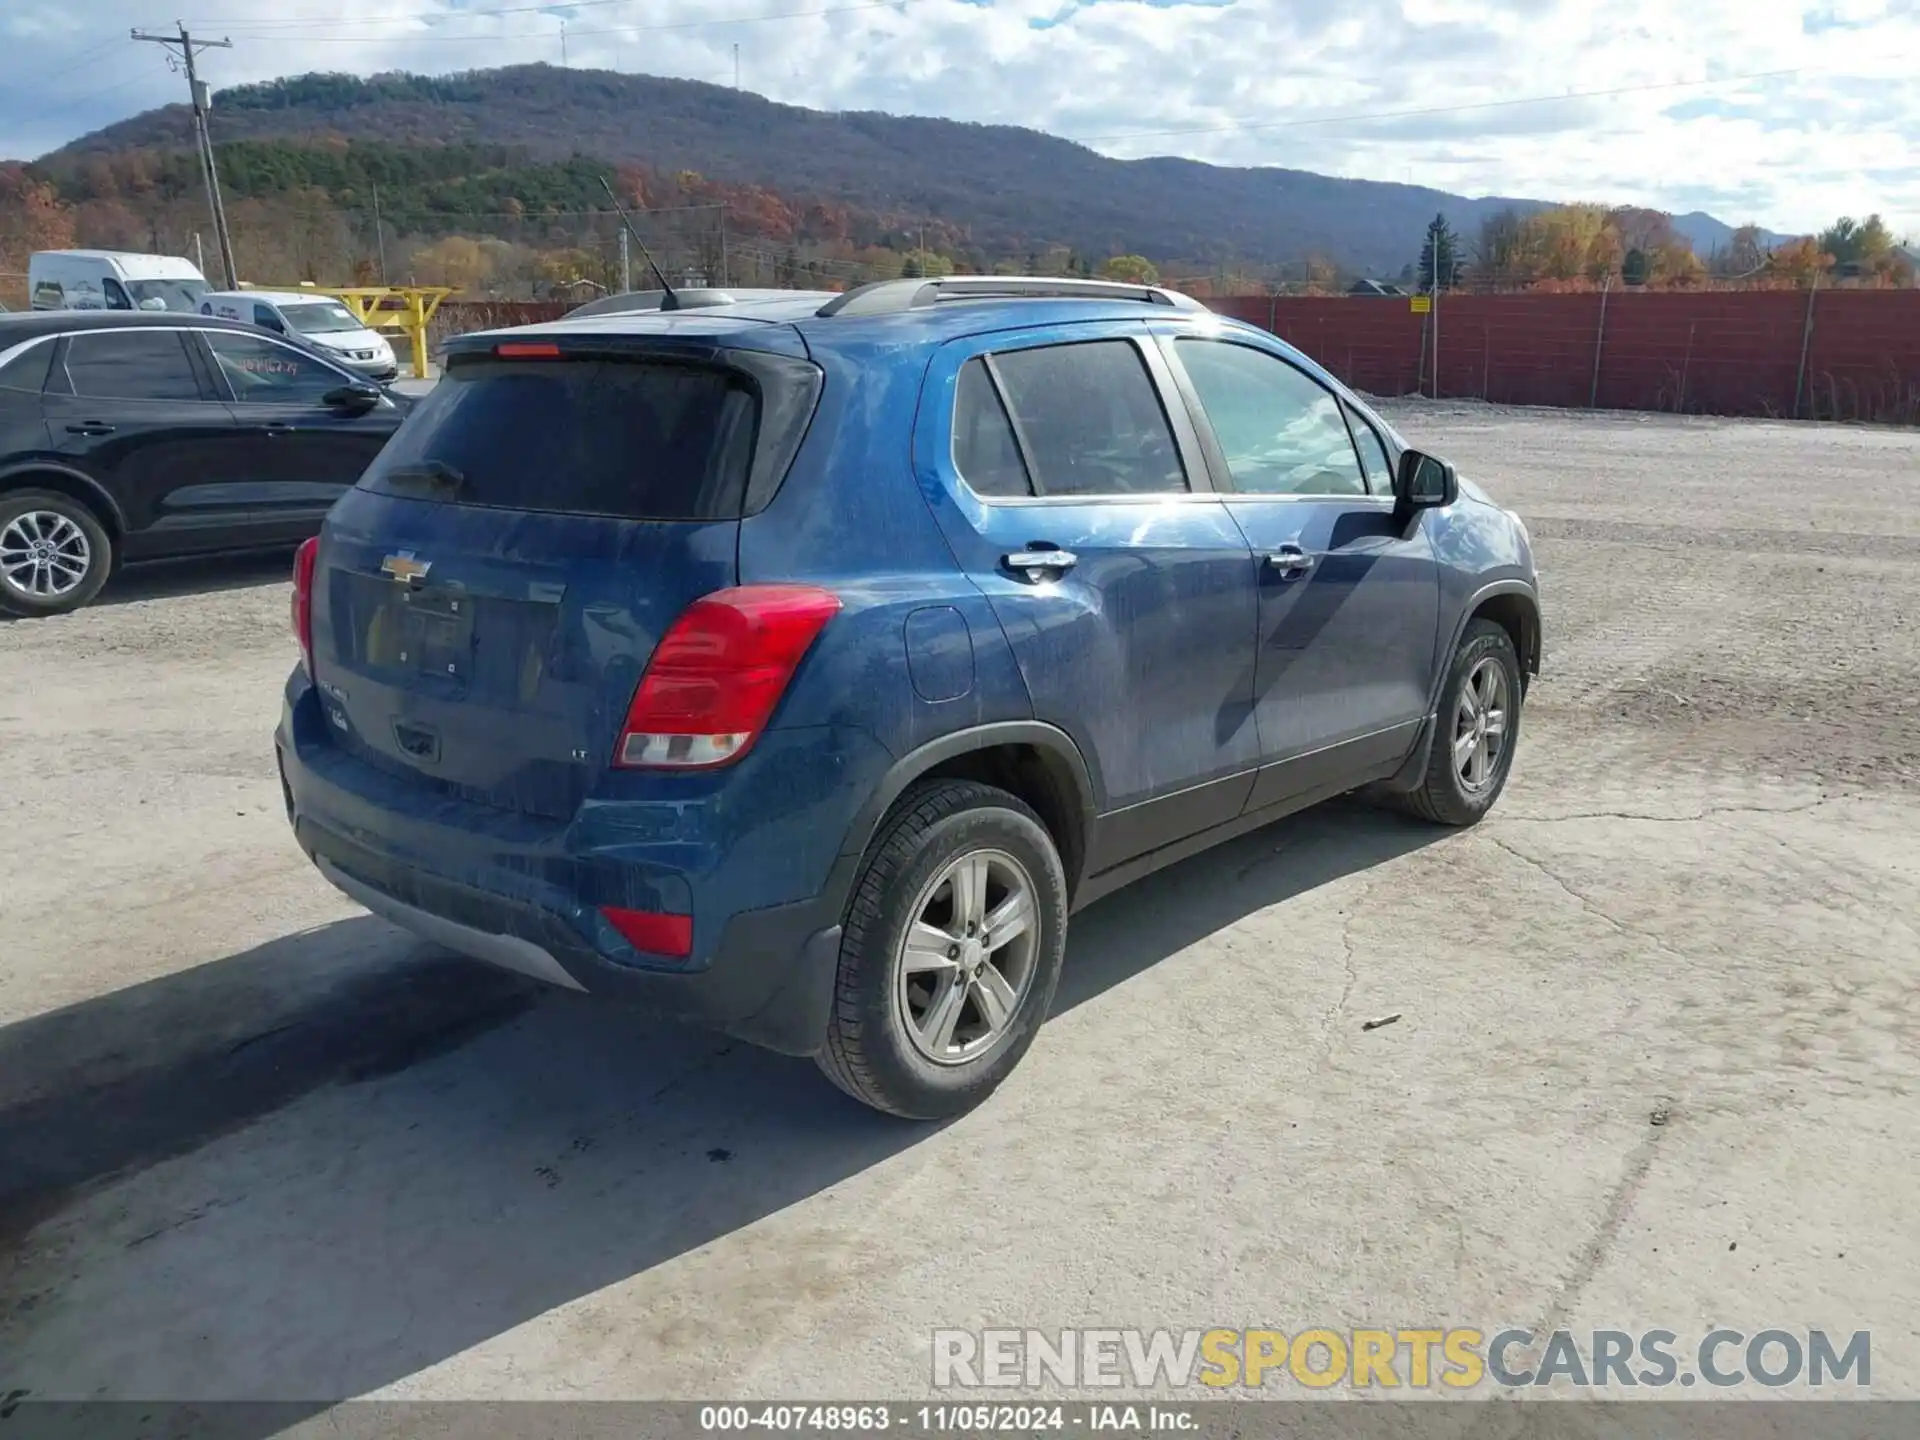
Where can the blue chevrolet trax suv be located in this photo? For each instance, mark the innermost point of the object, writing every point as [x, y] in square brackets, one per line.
[796, 665]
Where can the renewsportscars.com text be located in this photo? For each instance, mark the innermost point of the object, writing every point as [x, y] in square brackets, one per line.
[1455, 1357]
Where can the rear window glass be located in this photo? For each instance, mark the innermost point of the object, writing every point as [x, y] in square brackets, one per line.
[638, 440]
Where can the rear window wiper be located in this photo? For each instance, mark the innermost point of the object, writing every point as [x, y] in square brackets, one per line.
[433, 474]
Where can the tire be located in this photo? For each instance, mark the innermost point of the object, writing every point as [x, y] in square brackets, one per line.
[33, 517]
[885, 1029]
[1444, 795]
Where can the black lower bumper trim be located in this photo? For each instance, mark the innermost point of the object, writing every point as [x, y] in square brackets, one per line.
[770, 980]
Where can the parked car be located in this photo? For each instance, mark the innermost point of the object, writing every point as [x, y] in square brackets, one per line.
[320, 320]
[128, 437]
[797, 666]
[113, 280]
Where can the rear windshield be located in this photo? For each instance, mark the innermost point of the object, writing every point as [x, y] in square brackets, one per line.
[634, 439]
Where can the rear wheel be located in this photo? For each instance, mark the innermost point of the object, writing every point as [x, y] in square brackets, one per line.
[54, 553]
[950, 953]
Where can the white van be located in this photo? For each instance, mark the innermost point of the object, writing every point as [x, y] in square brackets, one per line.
[112, 280]
[318, 319]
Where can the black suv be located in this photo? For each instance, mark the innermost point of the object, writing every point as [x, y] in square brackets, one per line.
[128, 437]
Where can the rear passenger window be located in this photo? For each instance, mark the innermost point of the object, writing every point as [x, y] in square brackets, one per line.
[984, 450]
[1091, 420]
[28, 370]
[131, 365]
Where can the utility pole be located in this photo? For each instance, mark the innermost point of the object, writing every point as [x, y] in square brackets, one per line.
[626, 266]
[563, 45]
[379, 234]
[186, 47]
[736, 64]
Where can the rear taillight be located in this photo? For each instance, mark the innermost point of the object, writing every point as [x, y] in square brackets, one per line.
[303, 599]
[717, 674]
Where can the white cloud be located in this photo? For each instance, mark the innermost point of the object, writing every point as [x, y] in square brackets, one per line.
[1417, 90]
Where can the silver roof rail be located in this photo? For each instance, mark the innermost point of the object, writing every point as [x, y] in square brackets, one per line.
[893, 297]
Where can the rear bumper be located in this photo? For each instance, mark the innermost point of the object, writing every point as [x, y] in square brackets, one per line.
[524, 894]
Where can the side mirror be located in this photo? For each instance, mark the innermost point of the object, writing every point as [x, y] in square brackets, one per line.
[1423, 482]
[356, 399]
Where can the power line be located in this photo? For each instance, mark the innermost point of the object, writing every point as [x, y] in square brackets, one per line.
[92, 95]
[78, 61]
[250, 26]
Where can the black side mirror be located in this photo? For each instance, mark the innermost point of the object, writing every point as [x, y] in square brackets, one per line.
[355, 398]
[1423, 482]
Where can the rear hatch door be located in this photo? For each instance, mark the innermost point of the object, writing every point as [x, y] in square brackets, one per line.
[487, 597]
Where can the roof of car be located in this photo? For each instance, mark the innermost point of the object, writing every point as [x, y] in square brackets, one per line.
[933, 309]
[274, 297]
[31, 324]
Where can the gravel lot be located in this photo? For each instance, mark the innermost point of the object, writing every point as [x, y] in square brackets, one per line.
[258, 1144]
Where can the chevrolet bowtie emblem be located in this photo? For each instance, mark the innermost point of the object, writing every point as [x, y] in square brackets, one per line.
[404, 568]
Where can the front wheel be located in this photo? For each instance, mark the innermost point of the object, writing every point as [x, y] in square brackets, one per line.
[1470, 753]
[54, 553]
[950, 953]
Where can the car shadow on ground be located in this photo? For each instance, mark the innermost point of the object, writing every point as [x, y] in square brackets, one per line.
[469, 1151]
[165, 579]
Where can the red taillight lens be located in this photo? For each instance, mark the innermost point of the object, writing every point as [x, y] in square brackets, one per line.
[717, 674]
[303, 559]
[526, 350]
[651, 931]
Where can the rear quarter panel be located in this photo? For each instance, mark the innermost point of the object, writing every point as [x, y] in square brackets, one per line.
[851, 518]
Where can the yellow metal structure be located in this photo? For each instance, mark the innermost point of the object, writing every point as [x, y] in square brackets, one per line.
[393, 309]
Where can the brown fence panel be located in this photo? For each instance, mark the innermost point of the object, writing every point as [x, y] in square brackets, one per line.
[1722, 353]
[1864, 359]
[463, 317]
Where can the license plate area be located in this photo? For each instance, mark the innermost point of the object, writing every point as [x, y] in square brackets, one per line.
[409, 634]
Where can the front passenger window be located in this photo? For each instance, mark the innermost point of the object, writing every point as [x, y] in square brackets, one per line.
[264, 372]
[1281, 432]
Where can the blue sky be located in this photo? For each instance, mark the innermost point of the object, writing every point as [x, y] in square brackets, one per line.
[1781, 111]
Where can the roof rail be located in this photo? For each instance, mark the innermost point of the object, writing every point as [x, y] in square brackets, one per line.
[892, 297]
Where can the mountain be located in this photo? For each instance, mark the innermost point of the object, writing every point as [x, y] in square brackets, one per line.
[1707, 234]
[1010, 190]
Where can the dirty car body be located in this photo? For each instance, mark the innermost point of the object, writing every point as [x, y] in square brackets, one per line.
[770, 664]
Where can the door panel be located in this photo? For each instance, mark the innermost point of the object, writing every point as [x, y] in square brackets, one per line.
[1140, 647]
[128, 408]
[1346, 641]
[1348, 598]
[296, 455]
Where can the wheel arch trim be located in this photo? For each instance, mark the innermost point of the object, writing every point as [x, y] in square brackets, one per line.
[20, 476]
[1529, 664]
[918, 762]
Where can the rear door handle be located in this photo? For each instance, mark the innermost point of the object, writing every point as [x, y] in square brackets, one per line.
[1034, 564]
[1289, 561]
[89, 427]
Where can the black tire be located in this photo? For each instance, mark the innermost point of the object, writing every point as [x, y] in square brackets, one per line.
[1442, 796]
[868, 1052]
[15, 600]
